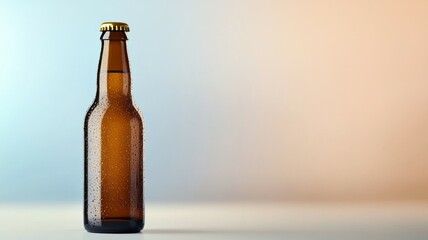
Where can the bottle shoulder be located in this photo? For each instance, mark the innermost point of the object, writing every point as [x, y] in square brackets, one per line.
[101, 110]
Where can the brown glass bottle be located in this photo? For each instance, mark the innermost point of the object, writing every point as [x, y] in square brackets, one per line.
[113, 189]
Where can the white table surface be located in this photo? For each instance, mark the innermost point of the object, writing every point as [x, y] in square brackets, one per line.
[228, 221]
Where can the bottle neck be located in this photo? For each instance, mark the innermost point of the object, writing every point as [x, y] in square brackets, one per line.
[114, 78]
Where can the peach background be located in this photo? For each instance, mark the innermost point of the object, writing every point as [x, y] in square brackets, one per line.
[342, 104]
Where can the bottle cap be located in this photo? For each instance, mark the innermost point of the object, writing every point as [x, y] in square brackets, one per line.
[114, 26]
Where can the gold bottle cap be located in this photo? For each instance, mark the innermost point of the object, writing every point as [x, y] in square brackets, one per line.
[114, 26]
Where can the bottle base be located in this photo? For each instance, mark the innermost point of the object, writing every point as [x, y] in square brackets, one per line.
[116, 226]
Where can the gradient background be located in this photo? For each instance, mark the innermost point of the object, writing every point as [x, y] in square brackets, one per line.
[242, 100]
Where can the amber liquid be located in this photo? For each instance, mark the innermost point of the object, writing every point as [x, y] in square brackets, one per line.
[113, 197]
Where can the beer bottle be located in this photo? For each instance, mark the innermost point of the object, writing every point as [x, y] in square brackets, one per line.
[113, 188]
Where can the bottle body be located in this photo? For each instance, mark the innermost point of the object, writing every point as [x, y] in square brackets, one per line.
[113, 184]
